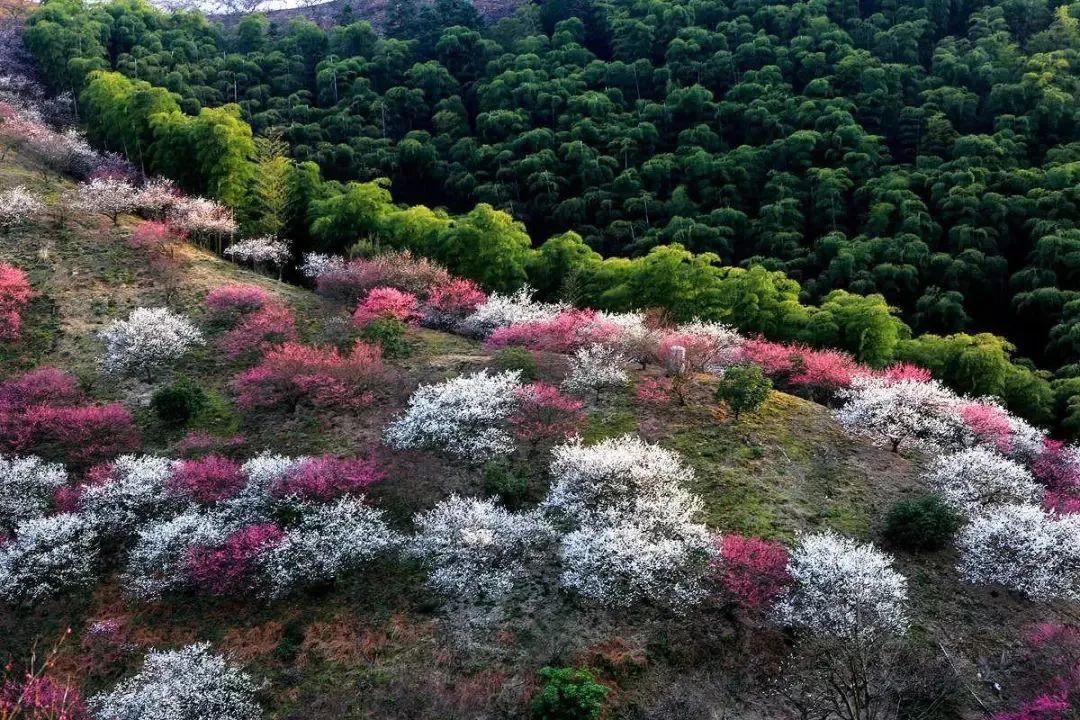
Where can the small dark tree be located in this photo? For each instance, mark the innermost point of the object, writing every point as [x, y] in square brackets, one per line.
[924, 524]
[569, 694]
[744, 388]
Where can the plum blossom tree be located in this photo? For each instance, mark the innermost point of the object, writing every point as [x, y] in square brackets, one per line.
[350, 281]
[156, 198]
[149, 340]
[752, 571]
[891, 413]
[48, 556]
[594, 369]
[18, 205]
[232, 566]
[447, 305]
[315, 265]
[127, 493]
[1025, 549]
[473, 547]
[207, 480]
[544, 413]
[261, 252]
[974, 479]
[27, 485]
[627, 562]
[185, 684]
[464, 416]
[156, 563]
[329, 540]
[504, 310]
[107, 196]
[228, 303]
[326, 478]
[200, 219]
[843, 589]
[386, 303]
[567, 332]
[15, 293]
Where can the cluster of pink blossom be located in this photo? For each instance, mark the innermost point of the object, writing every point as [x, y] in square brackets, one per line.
[323, 376]
[254, 321]
[15, 293]
[752, 571]
[200, 219]
[567, 332]
[39, 697]
[349, 281]
[1050, 673]
[43, 412]
[230, 567]
[544, 413]
[447, 305]
[386, 302]
[326, 478]
[207, 480]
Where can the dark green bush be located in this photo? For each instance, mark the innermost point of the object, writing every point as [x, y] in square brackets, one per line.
[390, 334]
[922, 524]
[569, 694]
[744, 388]
[509, 486]
[178, 403]
[516, 357]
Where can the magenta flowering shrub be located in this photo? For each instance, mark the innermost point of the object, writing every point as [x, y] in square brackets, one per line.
[448, 304]
[654, 390]
[326, 478]
[544, 413]
[207, 480]
[385, 302]
[231, 567]
[350, 281]
[753, 571]
[45, 413]
[257, 332]
[15, 293]
[567, 332]
[1050, 673]
[226, 304]
[989, 425]
[39, 697]
[322, 376]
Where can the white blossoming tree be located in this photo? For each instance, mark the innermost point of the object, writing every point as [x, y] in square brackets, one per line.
[464, 416]
[201, 219]
[1025, 549]
[503, 310]
[316, 264]
[156, 198]
[261, 251]
[18, 205]
[155, 564]
[191, 683]
[26, 488]
[48, 556]
[843, 589]
[134, 493]
[328, 540]
[149, 340]
[974, 479]
[106, 196]
[596, 368]
[906, 411]
[474, 547]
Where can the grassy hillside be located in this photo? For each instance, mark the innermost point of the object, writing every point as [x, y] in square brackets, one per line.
[380, 645]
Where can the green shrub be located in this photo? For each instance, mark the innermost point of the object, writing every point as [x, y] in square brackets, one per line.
[178, 403]
[390, 334]
[516, 357]
[923, 524]
[569, 694]
[503, 482]
[744, 388]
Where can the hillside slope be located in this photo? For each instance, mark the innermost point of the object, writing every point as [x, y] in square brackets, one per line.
[378, 644]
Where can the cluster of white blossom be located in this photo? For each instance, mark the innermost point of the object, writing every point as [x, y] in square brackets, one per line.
[157, 197]
[17, 205]
[200, 216]
[474, 547]
[254, 502]
[329, 539]
[596, 368]
[635, 339]
[48, 556]
[155, 565]
[503, 310]
[723, 341]
[1025, 549]
[191, 683]
[465, 416]
[266, 250]
[27, 485]
[632, 535]
[150, 339]
[977, 478]
[843, 589]
[317, 264]
[106, 196]
[620, 564]
[905, 411]
[134, 493]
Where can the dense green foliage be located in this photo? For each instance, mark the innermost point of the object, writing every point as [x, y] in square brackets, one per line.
[178, 403]
[816, 171]
[923, 524]
[743, 388]
[568, 694]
